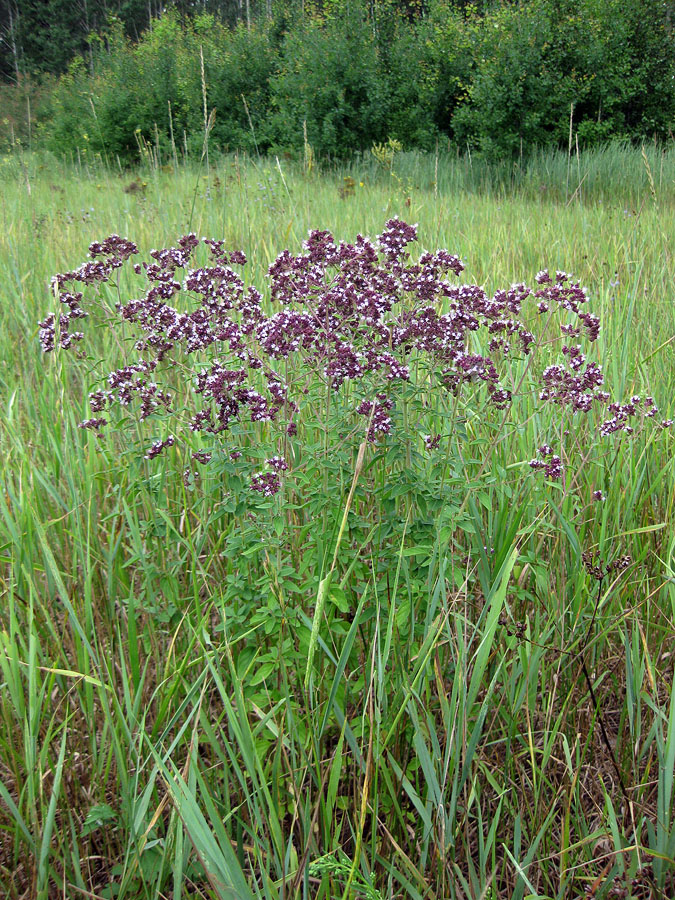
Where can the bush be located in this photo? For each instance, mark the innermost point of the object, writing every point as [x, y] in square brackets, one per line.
[127, 99]
[329, 78]
[127, 102]
[516, 99]
[408, 70]
[533, 62]
[502, 82]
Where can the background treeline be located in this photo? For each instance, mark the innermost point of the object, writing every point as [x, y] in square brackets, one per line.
[117, 78]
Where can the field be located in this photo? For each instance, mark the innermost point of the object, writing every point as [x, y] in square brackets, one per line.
[409, 673]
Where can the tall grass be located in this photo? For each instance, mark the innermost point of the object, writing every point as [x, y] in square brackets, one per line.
[159, 737]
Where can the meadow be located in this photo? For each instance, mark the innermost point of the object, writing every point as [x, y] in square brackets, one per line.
[416, 666]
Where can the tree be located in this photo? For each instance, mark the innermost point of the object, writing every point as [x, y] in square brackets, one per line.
[9, 46]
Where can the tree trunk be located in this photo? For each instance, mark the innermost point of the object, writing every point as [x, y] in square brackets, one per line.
[12, 42]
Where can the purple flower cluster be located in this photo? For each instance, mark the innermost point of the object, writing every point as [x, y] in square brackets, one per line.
[269, 483]
[158, 447]
[623, 413]
[432, 441]
[278, 463]
[202, 457]
[551, 464]
[48, 326]
[360, 313]
[114, 251]
[378, 412]
[569, 295]
[95, 424]
[571, 385]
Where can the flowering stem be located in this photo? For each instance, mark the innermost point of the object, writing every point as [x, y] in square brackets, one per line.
[324, 584]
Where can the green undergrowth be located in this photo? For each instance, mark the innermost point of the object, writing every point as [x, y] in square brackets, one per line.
[478, 717]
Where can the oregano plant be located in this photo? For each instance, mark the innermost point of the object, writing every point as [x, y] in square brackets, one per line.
[353, 329]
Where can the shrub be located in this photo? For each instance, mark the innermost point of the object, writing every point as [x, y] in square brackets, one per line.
[127, 99]
[532, 62]
[329, 78]
[408, 74]
[502, 81]
[127, 102]
[239, 69]
[515, 97]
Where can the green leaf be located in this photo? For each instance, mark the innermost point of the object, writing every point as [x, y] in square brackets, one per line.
[263, 672]
[98, 817]
[217, 857]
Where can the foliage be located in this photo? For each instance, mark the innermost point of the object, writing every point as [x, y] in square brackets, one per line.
[329, 78]
[110, 117]
[158, 736]
[43, 36]
[239, 71]
[537, 64]
[504, 80]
